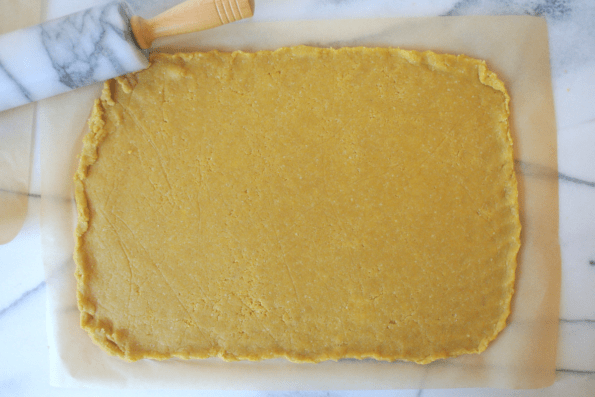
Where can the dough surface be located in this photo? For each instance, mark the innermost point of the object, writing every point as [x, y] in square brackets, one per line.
[305, 203]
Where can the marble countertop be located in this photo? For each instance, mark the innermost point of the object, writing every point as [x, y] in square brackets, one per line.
[24, 368]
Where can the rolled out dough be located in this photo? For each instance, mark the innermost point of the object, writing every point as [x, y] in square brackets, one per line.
[305, 203]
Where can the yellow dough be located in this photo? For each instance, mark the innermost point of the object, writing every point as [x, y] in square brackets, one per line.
[305, 203]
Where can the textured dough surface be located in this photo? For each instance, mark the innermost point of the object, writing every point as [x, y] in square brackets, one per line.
[305, 203]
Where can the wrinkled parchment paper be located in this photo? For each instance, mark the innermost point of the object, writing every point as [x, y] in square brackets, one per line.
[523, 355]
[16, 128]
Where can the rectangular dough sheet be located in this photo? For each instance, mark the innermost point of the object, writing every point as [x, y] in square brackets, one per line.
[307, 203]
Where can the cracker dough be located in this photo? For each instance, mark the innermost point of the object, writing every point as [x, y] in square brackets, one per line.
[305, 203]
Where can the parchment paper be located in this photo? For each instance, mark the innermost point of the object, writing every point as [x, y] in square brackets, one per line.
[523, 356]
[16, 127]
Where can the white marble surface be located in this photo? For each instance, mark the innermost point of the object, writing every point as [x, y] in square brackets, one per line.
[24, 369]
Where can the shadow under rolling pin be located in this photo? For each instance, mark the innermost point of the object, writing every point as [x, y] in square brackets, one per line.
[95, 45]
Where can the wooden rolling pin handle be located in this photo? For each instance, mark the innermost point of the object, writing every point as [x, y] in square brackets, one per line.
[190, 16]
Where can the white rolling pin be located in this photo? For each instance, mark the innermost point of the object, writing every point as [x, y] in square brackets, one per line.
[95, 45]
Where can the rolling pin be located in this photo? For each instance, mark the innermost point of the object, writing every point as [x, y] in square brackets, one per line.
[95, 45]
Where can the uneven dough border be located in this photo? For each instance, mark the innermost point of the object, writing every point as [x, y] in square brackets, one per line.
[101, 332]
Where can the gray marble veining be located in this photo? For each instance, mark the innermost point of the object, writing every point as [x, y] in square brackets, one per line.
[572, 45]
[66, 53]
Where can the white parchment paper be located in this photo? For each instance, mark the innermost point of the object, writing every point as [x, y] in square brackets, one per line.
[523, 355]
[16, 127]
